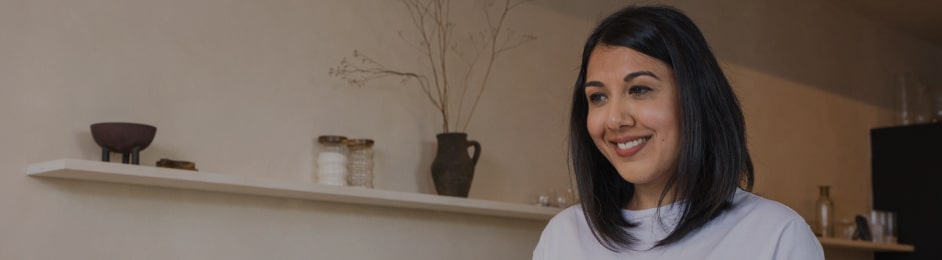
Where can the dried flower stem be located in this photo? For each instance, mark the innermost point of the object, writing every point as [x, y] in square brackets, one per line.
[431, 18]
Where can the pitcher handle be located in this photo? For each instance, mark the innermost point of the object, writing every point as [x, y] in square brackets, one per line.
[477, 151]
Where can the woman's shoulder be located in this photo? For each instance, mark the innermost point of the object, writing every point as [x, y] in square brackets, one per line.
[789, 236]
[569, 225]
[567, 236]
[758, 208]
[569, 217]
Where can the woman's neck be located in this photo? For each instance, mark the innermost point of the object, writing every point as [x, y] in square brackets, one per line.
[647, 197]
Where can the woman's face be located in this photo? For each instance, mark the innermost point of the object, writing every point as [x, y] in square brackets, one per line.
[633, 114]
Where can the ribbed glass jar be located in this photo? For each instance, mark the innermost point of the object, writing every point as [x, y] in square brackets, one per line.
[361, 163]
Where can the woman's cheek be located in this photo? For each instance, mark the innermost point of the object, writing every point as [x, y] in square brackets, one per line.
[595, 123]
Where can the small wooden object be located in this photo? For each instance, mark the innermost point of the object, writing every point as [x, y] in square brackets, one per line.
[184, 165]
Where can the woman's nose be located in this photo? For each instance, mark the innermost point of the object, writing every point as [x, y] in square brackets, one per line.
[619, 116]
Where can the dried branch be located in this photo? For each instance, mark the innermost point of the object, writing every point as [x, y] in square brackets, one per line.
[495, 29]
[359, 76]
[432, 21]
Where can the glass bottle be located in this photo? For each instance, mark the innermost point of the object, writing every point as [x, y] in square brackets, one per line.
[921, 107]
[332, 160]
[937, 106]
[824, 212]
[903, 96]
[361, 163]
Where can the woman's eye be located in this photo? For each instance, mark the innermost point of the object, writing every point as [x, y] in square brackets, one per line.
[639, 90]
[597, 98]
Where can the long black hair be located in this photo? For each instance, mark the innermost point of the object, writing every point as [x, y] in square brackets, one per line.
[713, 159]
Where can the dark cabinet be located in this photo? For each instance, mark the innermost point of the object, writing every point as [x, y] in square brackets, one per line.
[907, 179]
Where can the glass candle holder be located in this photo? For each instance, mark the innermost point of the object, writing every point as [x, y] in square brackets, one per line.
[361, 163]
[332, 160]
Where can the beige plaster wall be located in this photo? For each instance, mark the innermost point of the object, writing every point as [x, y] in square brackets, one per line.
[813, 79]
[241, 87]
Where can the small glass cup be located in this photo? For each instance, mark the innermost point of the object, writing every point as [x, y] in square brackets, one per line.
[545, 199]
[848, 228]
[890, 227]
[878, 226]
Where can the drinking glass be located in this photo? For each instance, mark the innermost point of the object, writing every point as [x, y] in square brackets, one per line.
[878, 226]
[890, 227]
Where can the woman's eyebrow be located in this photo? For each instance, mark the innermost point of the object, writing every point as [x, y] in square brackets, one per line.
[593, 84]
[636, 74]
[629, 77]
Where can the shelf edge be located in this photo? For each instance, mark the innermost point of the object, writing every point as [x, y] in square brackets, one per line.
[864, 245]
[214, 182]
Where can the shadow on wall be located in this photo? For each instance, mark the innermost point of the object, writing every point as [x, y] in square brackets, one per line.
[811, 42]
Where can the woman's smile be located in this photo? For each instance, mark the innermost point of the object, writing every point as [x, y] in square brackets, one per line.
[627, 147]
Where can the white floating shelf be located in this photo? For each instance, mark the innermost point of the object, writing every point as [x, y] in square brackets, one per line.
[204, 181]
[214, 182]
[864, 245]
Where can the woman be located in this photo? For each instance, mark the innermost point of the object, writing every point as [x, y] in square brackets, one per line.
[658, 146]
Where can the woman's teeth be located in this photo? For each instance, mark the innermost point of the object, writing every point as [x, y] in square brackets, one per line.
[632, 144]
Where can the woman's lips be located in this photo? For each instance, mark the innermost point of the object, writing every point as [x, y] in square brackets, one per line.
[630, 148]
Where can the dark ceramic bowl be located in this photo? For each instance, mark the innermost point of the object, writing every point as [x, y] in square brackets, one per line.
[123, 137]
